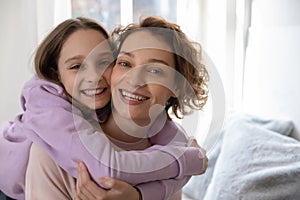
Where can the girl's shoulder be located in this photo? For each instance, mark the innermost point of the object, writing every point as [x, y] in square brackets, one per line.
[38, 85]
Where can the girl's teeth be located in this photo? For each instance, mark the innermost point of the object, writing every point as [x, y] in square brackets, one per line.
[130, 96]
[93, 92]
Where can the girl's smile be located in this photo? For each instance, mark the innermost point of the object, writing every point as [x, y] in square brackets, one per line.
[84, 68]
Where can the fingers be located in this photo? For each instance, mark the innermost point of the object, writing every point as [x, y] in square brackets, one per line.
[193, 143]
[85, 187]
[82, 191]
[119, 189]
[204, 160]
[75, 195]
[107, 182]
[205, 165]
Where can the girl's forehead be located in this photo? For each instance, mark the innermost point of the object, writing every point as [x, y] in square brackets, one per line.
[144, 40]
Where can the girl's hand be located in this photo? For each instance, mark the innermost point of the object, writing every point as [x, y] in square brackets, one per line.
[112, 189]
[193, 143]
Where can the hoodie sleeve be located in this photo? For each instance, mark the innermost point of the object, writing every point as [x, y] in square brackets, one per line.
[162, 189]
[60, 129]
[173, 134]
[14, 152]
[191, 159]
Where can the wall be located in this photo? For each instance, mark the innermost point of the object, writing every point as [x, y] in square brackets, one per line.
[23, 25]
[18, 40]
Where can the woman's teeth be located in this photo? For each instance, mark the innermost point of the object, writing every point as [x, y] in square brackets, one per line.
[130, 96]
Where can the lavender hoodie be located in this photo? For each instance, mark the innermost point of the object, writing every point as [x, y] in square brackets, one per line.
[50, 121]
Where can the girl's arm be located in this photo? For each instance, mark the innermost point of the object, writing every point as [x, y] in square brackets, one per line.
[14, 151]
[50, 121]
[171, 133]
[86, 189]
[167, 188]
[160, 189]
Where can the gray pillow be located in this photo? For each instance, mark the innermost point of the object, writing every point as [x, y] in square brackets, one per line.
[256, 161]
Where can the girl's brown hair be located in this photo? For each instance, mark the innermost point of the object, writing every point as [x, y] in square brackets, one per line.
[188, 62]
[48, 52]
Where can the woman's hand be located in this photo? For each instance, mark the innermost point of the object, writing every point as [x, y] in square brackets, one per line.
[112, 189]
[193, 143]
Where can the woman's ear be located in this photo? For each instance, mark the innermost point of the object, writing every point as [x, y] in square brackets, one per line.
[176, 93]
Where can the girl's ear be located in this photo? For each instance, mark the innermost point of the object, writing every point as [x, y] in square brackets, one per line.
[58, 75]
[54, 74]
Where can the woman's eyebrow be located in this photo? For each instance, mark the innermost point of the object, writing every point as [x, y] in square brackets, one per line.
[151, 60]
[154, 60]
[126, 54]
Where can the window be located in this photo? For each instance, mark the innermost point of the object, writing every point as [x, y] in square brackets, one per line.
[112, 13]
[213, 23]
[105, 11]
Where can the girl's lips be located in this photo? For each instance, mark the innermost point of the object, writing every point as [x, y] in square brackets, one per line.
[132, 98]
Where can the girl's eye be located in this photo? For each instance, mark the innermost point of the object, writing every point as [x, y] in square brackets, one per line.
[104, 63]
[77, 66]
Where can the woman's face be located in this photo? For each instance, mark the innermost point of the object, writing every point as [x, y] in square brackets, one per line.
[85, 70]
[143, 76]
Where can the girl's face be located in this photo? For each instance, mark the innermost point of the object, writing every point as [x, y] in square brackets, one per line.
[85, 70]
[143, 76]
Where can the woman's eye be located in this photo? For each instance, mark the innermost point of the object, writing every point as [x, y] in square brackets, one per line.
[155, 71]
[124, 64]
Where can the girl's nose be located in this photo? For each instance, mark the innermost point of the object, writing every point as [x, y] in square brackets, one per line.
[93, 74]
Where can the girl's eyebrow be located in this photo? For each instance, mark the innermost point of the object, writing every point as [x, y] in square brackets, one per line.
[77, 57]
[101, 55]
[81, 57]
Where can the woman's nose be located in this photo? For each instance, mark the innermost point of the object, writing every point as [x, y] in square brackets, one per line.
[136, 77]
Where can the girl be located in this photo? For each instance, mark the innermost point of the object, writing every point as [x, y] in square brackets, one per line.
[58, 61]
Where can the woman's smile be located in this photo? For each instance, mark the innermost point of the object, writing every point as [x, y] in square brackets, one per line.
[132, 98]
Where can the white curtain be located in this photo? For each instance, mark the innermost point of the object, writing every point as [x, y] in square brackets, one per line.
[23, 24]
[272, 61]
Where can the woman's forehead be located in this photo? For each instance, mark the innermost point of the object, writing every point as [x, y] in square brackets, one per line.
[144, 40]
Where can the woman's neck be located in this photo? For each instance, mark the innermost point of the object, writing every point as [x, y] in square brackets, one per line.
[123, 129]
[127, 130]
